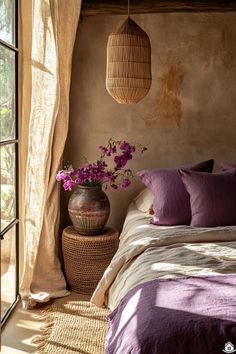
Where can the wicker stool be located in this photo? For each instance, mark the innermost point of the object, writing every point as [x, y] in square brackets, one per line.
[87, 257]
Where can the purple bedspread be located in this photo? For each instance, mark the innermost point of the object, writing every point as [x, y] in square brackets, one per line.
[189, 315]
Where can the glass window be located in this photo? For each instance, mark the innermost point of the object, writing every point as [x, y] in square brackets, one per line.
[9, 157]
[7, 22]
[7, 93]
[8, 197]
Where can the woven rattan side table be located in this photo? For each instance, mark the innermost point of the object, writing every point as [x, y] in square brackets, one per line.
[87, 257]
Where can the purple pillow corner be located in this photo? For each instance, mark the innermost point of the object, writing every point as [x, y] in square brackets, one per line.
[171, 200]
[212, 198]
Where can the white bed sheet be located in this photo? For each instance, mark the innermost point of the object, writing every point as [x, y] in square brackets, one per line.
[148, 252]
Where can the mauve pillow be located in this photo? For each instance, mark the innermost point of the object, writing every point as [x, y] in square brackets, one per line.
[171, 203]
[212, 197]
[228, 166]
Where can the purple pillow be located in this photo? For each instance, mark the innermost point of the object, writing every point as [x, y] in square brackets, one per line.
[228, 166]
[212, 197]
[171, 203]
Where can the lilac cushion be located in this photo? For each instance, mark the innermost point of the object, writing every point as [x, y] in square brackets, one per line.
[228, 166]
[212, 197]
[171, 203]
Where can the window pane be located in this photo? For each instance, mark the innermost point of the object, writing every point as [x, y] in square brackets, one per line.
[8, 200]
[8, 270]
[7, 93]
[7, 25]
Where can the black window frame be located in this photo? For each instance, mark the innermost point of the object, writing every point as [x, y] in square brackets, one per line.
[14, 223]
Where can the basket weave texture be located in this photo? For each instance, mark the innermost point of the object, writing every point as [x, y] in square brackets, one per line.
[128, 73]
[87, 257]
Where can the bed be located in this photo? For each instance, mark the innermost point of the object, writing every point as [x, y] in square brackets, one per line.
[170, 289]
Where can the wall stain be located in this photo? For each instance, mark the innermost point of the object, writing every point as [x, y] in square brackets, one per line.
[168, 105]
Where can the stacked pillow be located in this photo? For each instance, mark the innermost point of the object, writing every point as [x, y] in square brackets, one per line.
[192, 195]
[212, 197]
[171, 202]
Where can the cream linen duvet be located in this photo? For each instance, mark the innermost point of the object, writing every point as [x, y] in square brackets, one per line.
[148, 252]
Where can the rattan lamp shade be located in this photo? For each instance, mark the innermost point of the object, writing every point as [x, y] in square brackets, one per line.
[128, 74]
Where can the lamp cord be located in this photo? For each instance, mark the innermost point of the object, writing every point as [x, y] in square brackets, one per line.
[128, 8]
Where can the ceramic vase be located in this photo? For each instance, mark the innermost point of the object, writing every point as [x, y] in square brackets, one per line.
[89, 210]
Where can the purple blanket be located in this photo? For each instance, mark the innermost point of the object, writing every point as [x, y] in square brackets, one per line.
[189, 315]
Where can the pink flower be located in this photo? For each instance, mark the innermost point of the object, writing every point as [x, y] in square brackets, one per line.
[61, 175]
[100, 173]
[125, 183]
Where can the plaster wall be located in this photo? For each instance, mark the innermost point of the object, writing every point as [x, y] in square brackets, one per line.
[189, 113]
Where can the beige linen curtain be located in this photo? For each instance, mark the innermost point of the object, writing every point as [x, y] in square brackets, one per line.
[46, 59]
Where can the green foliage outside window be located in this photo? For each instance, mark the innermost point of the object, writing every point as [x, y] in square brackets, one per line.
[7, 111]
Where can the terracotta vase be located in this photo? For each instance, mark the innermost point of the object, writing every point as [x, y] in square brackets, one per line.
[89, 210]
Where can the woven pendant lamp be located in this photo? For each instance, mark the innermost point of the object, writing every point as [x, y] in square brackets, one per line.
[128, 73]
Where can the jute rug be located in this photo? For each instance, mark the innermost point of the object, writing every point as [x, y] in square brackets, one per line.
[73, 327]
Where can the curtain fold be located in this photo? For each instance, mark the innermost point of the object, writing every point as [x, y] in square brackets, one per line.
[54, 25]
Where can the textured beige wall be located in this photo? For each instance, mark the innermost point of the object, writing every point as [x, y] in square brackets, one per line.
[190, 112]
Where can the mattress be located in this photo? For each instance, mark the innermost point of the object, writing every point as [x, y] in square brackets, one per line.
[171, 289]
[147, 252]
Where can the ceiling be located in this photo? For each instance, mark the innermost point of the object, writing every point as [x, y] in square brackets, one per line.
[117, 7]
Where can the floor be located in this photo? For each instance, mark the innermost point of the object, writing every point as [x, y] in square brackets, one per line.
[7, 286]
[23, 326]
[8, 271]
